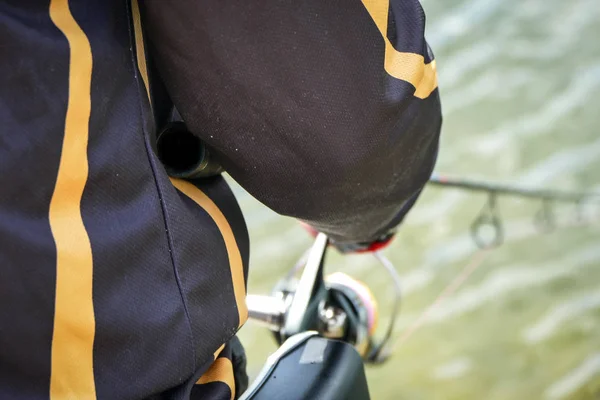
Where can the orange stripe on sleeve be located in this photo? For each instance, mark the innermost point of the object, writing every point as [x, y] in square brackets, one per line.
[409, 67]
[140, 51]
[72, 374]
[220, 371]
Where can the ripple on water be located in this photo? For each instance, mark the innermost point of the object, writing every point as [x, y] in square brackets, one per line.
[453, 369]
[555, 318]
[575, 379]
[460, 21]
[583, 86]
[572, 159]
[466, 63]
[505, 280]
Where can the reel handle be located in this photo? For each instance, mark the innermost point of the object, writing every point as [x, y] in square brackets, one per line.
[268, 311]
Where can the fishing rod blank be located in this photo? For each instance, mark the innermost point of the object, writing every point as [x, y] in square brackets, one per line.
[508, 190]
[487, 229]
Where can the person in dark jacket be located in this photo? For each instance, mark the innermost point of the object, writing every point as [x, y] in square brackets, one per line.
[120, 281]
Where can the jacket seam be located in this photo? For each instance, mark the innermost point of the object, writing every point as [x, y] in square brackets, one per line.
[159, 191]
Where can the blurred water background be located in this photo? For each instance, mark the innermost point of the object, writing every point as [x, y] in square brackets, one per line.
[520, 81]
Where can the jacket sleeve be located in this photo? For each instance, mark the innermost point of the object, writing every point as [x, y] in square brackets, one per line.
[326, 111]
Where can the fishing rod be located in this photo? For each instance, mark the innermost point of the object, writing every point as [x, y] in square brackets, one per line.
[487, 229]
[507, 190]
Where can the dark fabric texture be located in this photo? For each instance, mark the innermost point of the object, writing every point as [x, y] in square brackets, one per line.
[215, 390]
[294, 101]
[202, 266]
[162, 291]
[31, 89]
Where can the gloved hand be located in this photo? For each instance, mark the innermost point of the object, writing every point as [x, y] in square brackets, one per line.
[366, 247]
[357, 248]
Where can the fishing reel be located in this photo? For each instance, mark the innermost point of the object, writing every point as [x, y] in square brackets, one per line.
[336, 306]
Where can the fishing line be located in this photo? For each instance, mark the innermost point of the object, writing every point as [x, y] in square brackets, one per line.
[448, 291]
